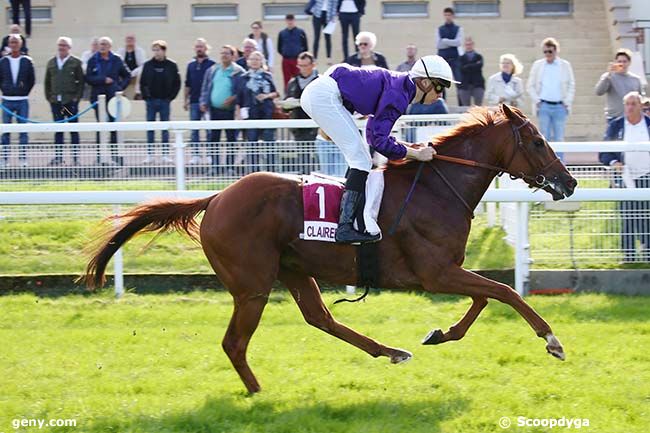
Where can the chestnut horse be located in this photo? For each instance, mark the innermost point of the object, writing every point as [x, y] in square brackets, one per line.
[250, 235]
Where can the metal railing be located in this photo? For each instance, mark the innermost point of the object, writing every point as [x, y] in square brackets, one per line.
[589, 235]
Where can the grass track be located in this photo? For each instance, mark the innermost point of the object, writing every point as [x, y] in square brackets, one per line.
[153, 364]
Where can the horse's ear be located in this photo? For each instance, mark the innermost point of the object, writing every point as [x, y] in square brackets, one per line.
[508, 112]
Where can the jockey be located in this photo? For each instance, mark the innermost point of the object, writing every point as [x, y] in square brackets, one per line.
[384, 96]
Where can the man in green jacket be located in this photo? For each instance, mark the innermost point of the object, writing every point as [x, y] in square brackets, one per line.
[64, 84]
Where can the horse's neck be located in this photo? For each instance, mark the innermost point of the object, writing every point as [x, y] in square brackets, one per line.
[470, 182]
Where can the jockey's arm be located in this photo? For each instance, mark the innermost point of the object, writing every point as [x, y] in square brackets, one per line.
[418, 151]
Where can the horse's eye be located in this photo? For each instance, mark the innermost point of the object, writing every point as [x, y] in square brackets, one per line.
[538, 142]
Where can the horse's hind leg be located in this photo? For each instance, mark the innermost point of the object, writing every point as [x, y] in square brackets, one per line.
[245, 318]
[459, 329]
[249, 284]
[305, 291]
[460, 281]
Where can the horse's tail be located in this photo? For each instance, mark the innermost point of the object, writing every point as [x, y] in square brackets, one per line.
[161, 215]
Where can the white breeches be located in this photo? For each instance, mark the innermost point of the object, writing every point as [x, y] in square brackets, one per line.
[322, 100]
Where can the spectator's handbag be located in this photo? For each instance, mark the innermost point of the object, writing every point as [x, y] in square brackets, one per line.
[279, 113]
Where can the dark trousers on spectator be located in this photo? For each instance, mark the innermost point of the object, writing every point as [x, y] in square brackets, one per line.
[636, 224]
[349, 19]
[215, 137]
[60, 112]
[27, 12]
[113, 140]
[257, 112]
[289, 70]
[469, 92]
[196, 114]
[20, 108]
[160, 107]
[320, 23]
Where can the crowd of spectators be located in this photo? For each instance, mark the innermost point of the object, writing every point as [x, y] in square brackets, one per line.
[241, 83]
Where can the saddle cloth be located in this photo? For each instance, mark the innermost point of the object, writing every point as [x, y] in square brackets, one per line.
[321, 197]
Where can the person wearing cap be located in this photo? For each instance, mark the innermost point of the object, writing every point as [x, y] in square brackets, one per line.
[384, 96]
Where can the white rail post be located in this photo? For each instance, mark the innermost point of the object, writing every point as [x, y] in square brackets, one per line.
[118, 114]
[104, 155]
[118, 264]
[179, 145]
[491, 209]
[522, 250]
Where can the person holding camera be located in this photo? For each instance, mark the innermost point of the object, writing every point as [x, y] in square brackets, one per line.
[618, 82]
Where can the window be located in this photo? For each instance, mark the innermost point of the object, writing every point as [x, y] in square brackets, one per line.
[216, 12]
[548, 7]
[277, 11]
[405, 9]
[477, 8]
[144, 13]
[40, 14]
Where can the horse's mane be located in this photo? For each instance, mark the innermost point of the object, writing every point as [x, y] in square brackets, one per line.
[473, 122]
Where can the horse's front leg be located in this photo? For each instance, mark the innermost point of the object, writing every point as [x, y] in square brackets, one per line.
[459, 329]
[456, 280]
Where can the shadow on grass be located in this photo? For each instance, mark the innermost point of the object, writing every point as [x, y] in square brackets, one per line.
[234, 415]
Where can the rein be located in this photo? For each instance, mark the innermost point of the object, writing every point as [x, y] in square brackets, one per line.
[540, 180]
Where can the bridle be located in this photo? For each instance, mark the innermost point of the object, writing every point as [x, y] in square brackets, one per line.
[539, 180]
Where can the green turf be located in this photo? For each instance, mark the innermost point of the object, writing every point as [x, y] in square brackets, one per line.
[56, 245]
[153, 364]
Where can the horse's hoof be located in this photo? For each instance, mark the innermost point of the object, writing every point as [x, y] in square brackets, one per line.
[554, 347]
[400, 356]
[433, 337]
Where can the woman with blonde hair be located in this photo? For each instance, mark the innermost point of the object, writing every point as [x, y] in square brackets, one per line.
[505, 86]
[366, 56]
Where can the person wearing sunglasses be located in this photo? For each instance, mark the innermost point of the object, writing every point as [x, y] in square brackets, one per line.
[552, 86]
[365, 55]
[384, 96]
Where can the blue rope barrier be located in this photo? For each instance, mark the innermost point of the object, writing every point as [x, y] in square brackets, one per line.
[69, 119]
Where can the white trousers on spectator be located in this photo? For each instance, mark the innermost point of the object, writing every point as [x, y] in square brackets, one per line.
[322, 101]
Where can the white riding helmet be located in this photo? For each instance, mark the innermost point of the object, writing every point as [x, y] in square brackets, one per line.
[433, 67]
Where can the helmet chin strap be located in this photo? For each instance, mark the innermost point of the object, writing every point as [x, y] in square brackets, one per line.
[436, 85]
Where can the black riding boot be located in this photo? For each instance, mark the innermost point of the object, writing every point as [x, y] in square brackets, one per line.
[352, 205]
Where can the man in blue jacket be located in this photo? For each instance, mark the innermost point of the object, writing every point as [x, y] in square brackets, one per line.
[291, 42]
[632, 170]
[106, 73]
[16, 81]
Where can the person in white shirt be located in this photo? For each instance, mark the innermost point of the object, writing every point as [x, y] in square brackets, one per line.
[264, 44]
[506, 87]
[551, 86]
[134, 58]
[632, 170]
[86, 55]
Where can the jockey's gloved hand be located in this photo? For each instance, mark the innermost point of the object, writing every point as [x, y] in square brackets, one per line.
[424, 153]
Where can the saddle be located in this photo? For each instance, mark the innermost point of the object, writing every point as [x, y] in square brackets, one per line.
[321, 203]
[321, 196]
